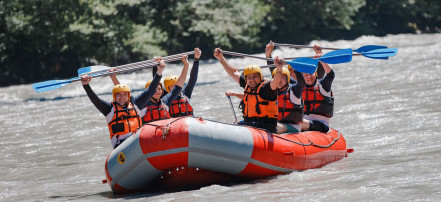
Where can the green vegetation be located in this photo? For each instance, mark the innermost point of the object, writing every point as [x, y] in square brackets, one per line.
[47, 39]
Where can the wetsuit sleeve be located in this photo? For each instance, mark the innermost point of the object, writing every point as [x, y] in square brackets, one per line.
[142, 99]
[267, 93]
[297, 87]
[154, 70]
[242, 82]
[271, 68]
[327, 81]
[170, 97]
[188, 89]
[103, 106]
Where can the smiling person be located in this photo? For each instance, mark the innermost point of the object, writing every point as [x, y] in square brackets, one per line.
[290, 102]
[123, 114]
[259, 103]
[318, 98]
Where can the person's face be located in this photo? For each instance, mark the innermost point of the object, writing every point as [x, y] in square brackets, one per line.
[282, 82]
[122, 97]
[253, 80]
[158, 93]
[309, 78]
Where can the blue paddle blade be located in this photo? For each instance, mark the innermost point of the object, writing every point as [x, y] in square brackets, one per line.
[306, 65]
[94, 69]
[337, 56]
[368, 48]
[50, 85]
[84, 70]
[384, 53]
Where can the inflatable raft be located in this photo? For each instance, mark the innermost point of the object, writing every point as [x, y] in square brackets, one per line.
[187, 151]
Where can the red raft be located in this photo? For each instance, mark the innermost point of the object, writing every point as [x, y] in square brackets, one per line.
[186, 152]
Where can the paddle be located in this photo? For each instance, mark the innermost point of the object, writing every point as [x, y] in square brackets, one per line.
[333, 57]
[358, 50]
[98, 68]
[232, 107]
[306, 65]
[55, 84]
[384, 53]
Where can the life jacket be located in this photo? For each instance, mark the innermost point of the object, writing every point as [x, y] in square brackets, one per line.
[156, 112]
[254, 106]
[288, 111]
[124, 120]
[316, 103]
[181, 107]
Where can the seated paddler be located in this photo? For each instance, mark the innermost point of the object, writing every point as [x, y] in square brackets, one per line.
[259, 103]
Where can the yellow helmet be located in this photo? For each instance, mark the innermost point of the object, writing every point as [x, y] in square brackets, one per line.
[285, 71]
[251, 69]
[289, 67]
[149, 82]
[120, 88]
[170, 80]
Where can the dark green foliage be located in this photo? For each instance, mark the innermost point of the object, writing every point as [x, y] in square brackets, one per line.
[48, 39]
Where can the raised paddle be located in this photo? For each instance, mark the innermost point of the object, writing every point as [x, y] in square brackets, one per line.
[55, 84]
[306, 65]
[358, 50]
[384, 53]
[333, 57]
[99, 68]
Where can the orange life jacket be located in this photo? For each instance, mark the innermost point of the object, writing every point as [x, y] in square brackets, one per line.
[124, 120]
[255, 106]
[156, 112]
[288, 111]
[181, 107]
[316, 103]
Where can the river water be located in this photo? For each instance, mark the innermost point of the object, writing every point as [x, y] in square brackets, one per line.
[54, 144]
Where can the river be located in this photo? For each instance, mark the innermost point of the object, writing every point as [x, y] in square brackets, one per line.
[55, 143]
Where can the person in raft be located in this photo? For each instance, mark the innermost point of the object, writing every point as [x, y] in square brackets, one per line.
[157, 108]
[259, 104]
[181, 105]
[318, 98]
[289, 100]
[123, 114]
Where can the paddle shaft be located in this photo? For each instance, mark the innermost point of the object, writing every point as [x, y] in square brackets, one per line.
[232, 107]
[151, 61]
[302, 46]
[246, 55]
[101, 74]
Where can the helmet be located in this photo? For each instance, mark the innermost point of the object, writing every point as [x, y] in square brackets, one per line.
[149, 82]
[120, 88]
[251, 69]
[170, 80]
[285, 71]
[289, 67]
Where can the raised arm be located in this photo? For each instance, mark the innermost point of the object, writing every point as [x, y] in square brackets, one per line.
[268, 51]
[318, 53]
[231, 70]
[113, 76]
[102, 106]
[278, 76]
[188, 89]
[181, 80]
